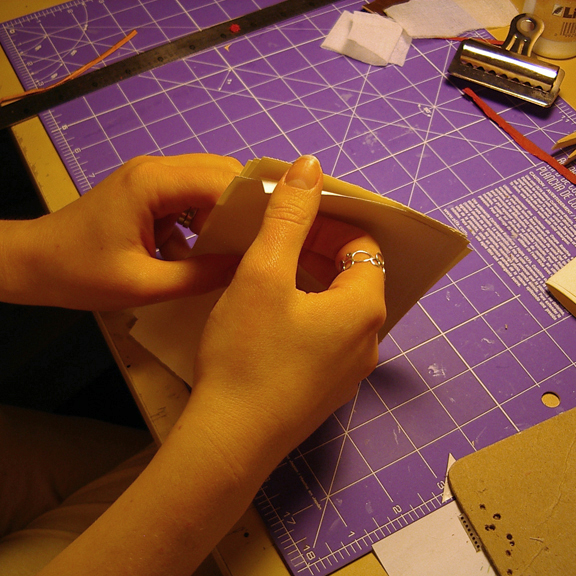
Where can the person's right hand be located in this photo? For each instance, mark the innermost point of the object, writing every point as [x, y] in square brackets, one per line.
[273, 363]
[280, 359]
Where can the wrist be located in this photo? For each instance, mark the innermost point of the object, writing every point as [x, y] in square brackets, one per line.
[18, 252]
[248, 440]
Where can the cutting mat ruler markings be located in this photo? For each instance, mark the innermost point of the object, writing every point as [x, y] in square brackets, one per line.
[303, 558]
[468, 365]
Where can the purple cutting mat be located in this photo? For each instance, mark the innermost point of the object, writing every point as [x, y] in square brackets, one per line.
[469, 364]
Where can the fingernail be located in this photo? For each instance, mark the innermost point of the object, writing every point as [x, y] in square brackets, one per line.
[304, 173]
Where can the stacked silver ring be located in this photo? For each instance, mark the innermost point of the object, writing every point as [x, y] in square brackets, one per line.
[352, 258]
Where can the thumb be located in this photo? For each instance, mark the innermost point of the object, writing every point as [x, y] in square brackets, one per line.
[288, 218]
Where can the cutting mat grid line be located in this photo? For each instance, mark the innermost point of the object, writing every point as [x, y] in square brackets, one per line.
[469, 363]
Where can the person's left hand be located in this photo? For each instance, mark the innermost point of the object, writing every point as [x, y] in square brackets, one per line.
[98, 253]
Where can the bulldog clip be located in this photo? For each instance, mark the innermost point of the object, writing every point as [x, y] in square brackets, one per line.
[510, 68]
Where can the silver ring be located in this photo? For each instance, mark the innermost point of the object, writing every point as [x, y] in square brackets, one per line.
[350, 259]
[185, 219]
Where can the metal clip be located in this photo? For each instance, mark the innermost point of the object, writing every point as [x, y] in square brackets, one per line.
[511, 69]
[525, 29]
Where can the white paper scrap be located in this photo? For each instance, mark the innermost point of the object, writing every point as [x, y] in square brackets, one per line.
[490, 13]
[338, 35]
[447, 493]
[446, 18]
[433, 18]
[373, 38]
[369, 38]
[398, 56]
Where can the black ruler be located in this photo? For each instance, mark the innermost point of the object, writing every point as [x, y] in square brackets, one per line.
[32, 105]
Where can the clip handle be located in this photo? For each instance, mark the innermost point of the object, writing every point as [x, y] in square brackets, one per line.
[525, 29]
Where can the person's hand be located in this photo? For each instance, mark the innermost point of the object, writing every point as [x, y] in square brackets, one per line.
[98, 253]
[280, 359]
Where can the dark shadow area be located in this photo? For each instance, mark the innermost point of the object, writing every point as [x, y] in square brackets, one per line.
[53, 359]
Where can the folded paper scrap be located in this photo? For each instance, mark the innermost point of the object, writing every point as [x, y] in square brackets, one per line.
[369, 38]
[417, 249]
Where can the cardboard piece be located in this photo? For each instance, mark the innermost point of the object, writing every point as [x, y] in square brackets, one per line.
[562, 286]
[520, 497]
[417, 251]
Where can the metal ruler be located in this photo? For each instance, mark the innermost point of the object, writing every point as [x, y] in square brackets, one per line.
[32, 105]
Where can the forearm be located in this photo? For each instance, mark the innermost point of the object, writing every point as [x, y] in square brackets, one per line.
[19, 250]
[183, 503]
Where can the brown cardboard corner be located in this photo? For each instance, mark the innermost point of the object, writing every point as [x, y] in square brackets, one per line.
[520, 496]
